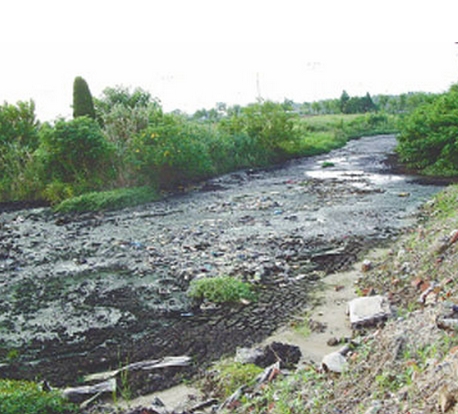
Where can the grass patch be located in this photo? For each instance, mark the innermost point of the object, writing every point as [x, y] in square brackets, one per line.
[108, 200]
[227, 377]
[221, 289]
[23, 397]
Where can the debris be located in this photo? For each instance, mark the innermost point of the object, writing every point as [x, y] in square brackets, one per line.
[76, 394]
[368, 311]
[180, 361]
[366, 266]
[446, 399]
[453, 237]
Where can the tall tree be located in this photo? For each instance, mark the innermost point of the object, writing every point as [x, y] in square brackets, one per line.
[344, 98]
[83, 104]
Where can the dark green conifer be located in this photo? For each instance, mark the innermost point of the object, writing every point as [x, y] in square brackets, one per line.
[83, 104]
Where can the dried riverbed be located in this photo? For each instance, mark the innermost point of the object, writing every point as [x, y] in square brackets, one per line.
[86, 293]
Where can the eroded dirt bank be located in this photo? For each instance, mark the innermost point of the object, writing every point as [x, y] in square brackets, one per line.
[87, 293]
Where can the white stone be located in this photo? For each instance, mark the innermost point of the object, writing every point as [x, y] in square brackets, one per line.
[334, 362]
[368, 310]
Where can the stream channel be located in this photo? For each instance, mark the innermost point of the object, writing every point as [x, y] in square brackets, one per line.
[90, 292]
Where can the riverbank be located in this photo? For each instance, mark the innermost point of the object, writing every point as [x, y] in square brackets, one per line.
[409, 363]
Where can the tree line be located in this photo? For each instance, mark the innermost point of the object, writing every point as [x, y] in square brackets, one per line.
[123, 138]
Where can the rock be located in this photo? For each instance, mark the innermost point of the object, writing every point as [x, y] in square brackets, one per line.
[440, 245]
[446, 399]
[334, 362]
[333, 342]
[317, 326]
[287, 355]
[368, 311]
[248, 355]
[366, 266]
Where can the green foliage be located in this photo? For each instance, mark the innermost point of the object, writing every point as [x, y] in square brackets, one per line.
[18, 124]
[172, 152]
[122, 96]
[305, 391]
[83, 104]
[108, 200]
[356, 105]
[133, 143]
[75, 153]
[222, 289]
[228, 376]
[429, 136]
[267, 122]
[22, 397]
[18, 141]
[18, 173]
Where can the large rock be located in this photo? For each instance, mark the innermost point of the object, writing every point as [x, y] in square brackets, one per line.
[368, 311]
[334, 362]
[287, 355]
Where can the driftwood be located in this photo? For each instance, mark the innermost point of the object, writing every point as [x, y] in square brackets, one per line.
[79, 393]
[180, 361]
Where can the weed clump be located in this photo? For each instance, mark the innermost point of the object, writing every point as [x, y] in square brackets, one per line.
[221, 289]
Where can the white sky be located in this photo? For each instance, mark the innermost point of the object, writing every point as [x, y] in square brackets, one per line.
[195, 53]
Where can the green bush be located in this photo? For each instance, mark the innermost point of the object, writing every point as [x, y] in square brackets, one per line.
[18, 140]
[428, 140]
[222, 289]
[18, 124]
[22, 397]
[19, 173]
[77, 154]
[172, 152]
[267, 122]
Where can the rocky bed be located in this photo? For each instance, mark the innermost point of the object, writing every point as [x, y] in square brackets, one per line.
[90, 292]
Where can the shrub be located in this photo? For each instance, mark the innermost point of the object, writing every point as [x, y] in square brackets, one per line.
[222, 289]
[18, 124]
[429, 136]
[172, 152]
[22, 397]
[267, 122]
[76, 153]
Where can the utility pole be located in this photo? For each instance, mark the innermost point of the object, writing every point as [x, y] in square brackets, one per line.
[258, 88]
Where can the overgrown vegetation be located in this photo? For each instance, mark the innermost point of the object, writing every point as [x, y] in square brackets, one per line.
[23, 397]
[123, 139]
[108, 200]
[429, 136]
[221, 289]
[227, 376]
